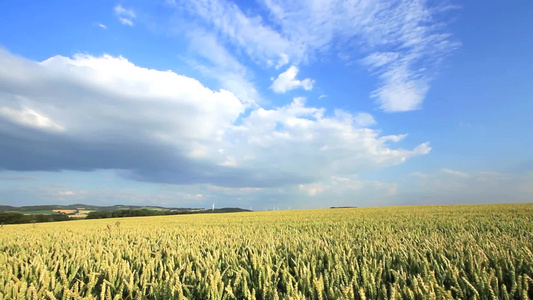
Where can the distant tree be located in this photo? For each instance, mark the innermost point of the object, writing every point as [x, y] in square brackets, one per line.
[18, 218]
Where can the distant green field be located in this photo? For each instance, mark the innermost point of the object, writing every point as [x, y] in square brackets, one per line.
[35, 212]
[425, 252]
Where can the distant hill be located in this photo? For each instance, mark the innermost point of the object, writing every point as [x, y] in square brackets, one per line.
[85, 208]
[80, 206]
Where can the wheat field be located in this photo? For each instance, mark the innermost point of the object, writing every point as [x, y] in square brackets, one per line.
[426, 252]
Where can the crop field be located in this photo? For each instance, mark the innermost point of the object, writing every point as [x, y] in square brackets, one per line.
[429, 252]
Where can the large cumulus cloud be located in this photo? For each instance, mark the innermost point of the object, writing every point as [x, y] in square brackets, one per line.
[87, 113]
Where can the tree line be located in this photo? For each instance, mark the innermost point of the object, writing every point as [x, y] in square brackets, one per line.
[18, 218]
[124, 213]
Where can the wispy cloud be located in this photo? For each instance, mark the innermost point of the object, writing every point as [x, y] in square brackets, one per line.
[402, 41]
[66, 193]
[262, 43]
[125, 16]
[287, 81]
[103, 26]
[215, 61]
[455, 173]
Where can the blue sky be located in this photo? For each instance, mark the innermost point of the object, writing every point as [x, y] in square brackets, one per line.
[265, 104]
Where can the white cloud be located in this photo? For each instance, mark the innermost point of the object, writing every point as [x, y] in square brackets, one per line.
[125, 16]
[159, 126]
[402, 41]
[313, 189]
[287, 81]
[296, 139]
[101, 25]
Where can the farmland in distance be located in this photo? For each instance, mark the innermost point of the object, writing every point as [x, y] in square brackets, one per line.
[425, 252]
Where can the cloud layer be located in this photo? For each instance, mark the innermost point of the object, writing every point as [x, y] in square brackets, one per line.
[86, 113]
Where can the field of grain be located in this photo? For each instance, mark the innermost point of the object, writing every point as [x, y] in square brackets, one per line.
[64, 211]
[432, 252]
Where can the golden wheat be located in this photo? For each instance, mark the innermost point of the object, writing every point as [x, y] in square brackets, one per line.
[432, 252]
